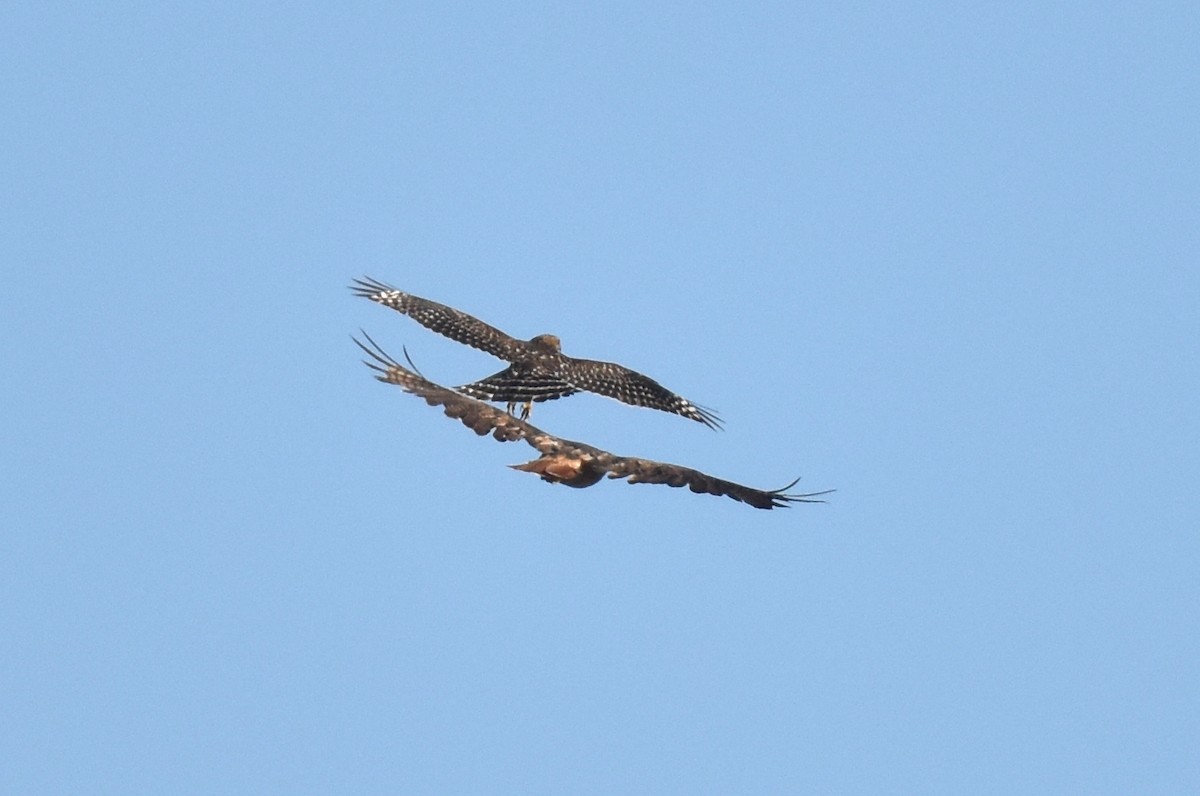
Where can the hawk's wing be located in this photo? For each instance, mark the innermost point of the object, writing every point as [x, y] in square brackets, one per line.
[476, 415]
[644, 471]
[455, 324]
[631, 387]
[484, 418]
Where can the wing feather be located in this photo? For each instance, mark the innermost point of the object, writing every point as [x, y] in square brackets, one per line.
[447, 321]
[629, 386]
[479, 417]
[643, 471]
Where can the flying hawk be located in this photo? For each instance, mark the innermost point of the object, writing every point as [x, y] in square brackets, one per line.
[538, 370]
[563, 461]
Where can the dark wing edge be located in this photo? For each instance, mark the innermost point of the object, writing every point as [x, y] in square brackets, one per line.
[637, 389]
[476, 415]
[446, 321]
[643, 471]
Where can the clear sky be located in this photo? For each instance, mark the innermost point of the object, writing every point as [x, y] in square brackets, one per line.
[944, 258]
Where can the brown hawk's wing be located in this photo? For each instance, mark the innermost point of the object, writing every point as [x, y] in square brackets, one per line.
[484, 418]
[455, 324]
[631, 387]
[476, 415]
[644, 471]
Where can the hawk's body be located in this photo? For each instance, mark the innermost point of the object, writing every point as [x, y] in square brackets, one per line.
[562, 461]
[538, 370]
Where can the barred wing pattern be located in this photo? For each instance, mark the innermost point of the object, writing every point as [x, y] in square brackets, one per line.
[563, 461]
[517, 383]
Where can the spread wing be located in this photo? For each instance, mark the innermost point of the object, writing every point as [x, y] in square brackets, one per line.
[484, 418]
[631, 387]
[476, 415]
[555, 377]
[643, 471]
[455, 324]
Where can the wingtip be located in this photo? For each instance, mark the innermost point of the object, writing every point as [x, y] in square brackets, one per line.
[382, 360]
[411, 364]
[368, 287]
[709, 417]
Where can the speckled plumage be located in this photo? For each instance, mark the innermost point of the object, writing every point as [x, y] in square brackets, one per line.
[562, 461]
[538, 370]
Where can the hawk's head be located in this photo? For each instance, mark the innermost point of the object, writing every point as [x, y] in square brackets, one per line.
[549, 342]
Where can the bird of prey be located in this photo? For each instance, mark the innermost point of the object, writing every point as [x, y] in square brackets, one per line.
[538, 370]
[563, 461]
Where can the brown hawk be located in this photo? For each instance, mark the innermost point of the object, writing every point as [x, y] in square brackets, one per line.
[538, 370]
[563, 461]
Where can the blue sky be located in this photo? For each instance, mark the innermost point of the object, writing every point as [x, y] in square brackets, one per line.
[942, 259]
